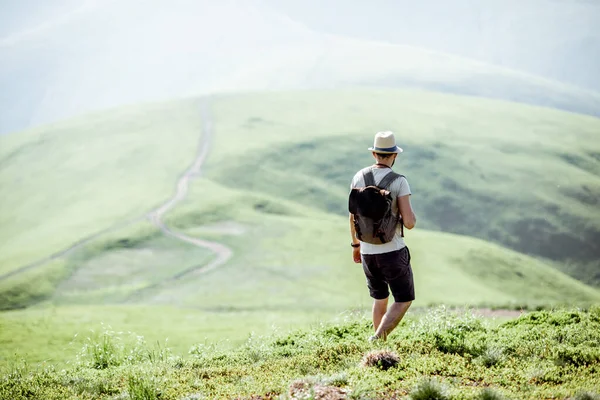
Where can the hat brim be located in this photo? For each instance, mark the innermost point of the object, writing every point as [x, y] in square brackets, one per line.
[395, 150]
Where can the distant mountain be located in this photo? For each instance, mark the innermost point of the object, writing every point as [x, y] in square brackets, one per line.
[108, 53]
[557, 39]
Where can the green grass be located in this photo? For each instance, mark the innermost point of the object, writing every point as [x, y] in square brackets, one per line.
[545, 355]
[524, 177]
[117, 267]
[70, 180]
[55, 335]
[278, 172]
[288, 264]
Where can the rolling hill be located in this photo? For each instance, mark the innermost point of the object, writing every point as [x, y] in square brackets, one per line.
[558, 40]
[273, 190]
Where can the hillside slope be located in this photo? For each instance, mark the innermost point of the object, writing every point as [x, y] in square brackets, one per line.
[272, 190]
[67, 181]
[490, 177]
[525, 177]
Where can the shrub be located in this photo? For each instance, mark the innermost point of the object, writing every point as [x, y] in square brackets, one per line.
[103, 351]
[428, 390]
[577, 356]
[382, 359]
[489, 394]
[140, 388]
[491, 357]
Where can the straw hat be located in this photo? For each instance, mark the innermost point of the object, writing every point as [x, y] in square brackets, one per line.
[385, 143]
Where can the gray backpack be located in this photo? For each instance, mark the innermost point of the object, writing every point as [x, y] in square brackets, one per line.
[371, 205]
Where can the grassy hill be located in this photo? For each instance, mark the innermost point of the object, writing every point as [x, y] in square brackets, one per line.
[439, 355]
[274, 190]
[70, 180]
[525, 177]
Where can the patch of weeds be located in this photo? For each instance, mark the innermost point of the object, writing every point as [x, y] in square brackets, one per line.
[335, 353]
[491, 357]
[97, 387]
[140, 388]
[382, 359]
[450, 333]
[428, 389]
[489, 394]
[112, 349]
[339, 380]
[577, 355]
[103, 350]
[157, 354]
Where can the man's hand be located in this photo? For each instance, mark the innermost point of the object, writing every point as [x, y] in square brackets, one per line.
[356, 255]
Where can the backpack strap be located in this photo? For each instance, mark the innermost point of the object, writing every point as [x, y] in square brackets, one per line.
[388, 180]
[369, 178]
[385, 184]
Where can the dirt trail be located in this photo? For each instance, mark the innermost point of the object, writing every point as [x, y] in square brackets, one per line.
[223, 252]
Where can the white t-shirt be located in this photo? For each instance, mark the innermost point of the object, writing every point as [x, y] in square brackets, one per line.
[398, 188]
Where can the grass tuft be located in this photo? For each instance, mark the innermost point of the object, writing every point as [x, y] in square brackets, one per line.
[141, 388]
[490, 394]
[491, 357]
[428, 389]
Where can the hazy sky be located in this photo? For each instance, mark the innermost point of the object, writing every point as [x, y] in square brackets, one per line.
[64, 57]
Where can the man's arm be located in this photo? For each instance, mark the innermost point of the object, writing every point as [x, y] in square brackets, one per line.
[355, 250]
[353, 230]
[409, 219]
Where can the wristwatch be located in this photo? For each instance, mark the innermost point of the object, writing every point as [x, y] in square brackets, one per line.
[355, 245]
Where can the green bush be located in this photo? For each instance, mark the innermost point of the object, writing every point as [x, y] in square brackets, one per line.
[428, 390]
[489, 394]
[140, 388]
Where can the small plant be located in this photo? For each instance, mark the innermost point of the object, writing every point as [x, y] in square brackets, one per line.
[103, 350]
[340, 379]
[491, 357]
[382, 359]
[428, 389]
[489, 394]
[140, 388]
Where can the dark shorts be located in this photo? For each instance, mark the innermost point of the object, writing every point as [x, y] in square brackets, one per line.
[389, 270]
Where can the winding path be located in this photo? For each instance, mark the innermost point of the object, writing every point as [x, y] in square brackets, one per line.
[223, 252]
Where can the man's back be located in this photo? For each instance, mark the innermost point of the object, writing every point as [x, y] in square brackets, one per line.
[398, 188]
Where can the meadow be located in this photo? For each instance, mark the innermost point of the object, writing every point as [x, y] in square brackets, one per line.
[441, 355]
[273, 190]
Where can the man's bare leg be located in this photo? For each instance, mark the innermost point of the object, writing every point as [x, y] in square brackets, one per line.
[379, 310]
[391, 319]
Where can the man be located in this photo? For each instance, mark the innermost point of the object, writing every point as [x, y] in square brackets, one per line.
[387, 266]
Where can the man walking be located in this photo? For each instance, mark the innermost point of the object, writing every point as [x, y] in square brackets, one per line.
[384, 256]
